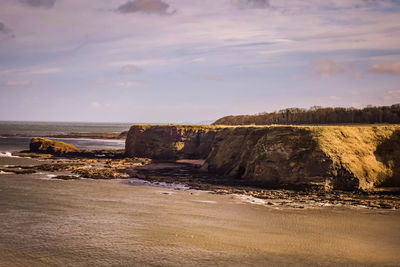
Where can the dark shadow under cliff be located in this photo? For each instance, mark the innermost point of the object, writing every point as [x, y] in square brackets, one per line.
[388, 152]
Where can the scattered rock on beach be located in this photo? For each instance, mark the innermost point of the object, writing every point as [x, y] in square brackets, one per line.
[66, 177]
[101, 173]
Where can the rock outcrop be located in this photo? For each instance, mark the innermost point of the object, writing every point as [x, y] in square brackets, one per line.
[169, 142]
[47, 146]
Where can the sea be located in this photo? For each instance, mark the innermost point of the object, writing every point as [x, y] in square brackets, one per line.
[15, 135]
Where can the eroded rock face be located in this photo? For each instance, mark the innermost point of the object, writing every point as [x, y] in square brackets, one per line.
[336, 157]
[47, 146]
[270, 156]
[170, 142]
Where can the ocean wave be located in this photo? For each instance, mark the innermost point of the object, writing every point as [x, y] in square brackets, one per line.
[7, 154]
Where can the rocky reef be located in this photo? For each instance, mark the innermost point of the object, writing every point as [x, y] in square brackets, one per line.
[170, 142]
[47, 146]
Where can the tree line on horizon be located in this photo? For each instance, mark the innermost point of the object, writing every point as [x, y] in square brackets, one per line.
[318, 115]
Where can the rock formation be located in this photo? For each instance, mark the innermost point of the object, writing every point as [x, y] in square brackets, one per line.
[47, 146]
[169, 142]
[335, 157]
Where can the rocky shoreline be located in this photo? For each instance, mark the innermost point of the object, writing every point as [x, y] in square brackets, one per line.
[65, 162]
[193, 177]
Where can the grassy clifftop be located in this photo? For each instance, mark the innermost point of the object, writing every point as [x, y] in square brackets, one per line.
[369, 153]
[342, 157]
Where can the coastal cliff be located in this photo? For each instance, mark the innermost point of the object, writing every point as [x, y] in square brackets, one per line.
[335, 157]
[170, 142]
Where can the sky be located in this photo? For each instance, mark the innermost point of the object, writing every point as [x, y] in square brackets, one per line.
[161, 61]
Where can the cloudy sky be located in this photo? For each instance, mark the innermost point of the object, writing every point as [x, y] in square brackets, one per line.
[191, 61]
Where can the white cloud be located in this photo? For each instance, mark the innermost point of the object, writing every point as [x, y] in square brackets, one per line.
[130, 84]
[32, 70]
[130, 69]
[99, 82]
[18, 83]
[335, 98]
[392, 67]
[327, 68]
[392, 95]
[95, 104]
[199, 59]
[213, 77]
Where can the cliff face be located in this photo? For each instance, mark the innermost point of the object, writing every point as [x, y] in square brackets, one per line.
[169, 142]
[337, 157]
[341, 157]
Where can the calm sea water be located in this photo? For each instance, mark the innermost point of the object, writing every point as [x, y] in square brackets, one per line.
[15, 136]
[45, 222]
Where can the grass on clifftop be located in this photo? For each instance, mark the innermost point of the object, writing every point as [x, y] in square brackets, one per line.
[357, 149]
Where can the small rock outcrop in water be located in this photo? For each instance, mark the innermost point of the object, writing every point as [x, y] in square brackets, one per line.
[170, 142]
[47, 146]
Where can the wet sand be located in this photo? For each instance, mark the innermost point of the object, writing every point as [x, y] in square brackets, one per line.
[92, 222]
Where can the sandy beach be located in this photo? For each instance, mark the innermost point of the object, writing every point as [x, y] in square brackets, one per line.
[108, 222]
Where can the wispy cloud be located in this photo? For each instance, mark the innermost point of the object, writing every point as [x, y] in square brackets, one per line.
[5, 32]
[3, 28]
[129, 84]
[18, 83]
[39, 3]
[393, 96]
[252, 3]
[213, 77]
[32, 71]
[144, 6]
[327, 67]
[130, 69]
[392, 67]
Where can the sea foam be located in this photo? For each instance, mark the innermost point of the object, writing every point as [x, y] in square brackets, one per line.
[6, 154]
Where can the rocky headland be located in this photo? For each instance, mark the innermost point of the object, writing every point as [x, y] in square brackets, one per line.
[334, 157]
